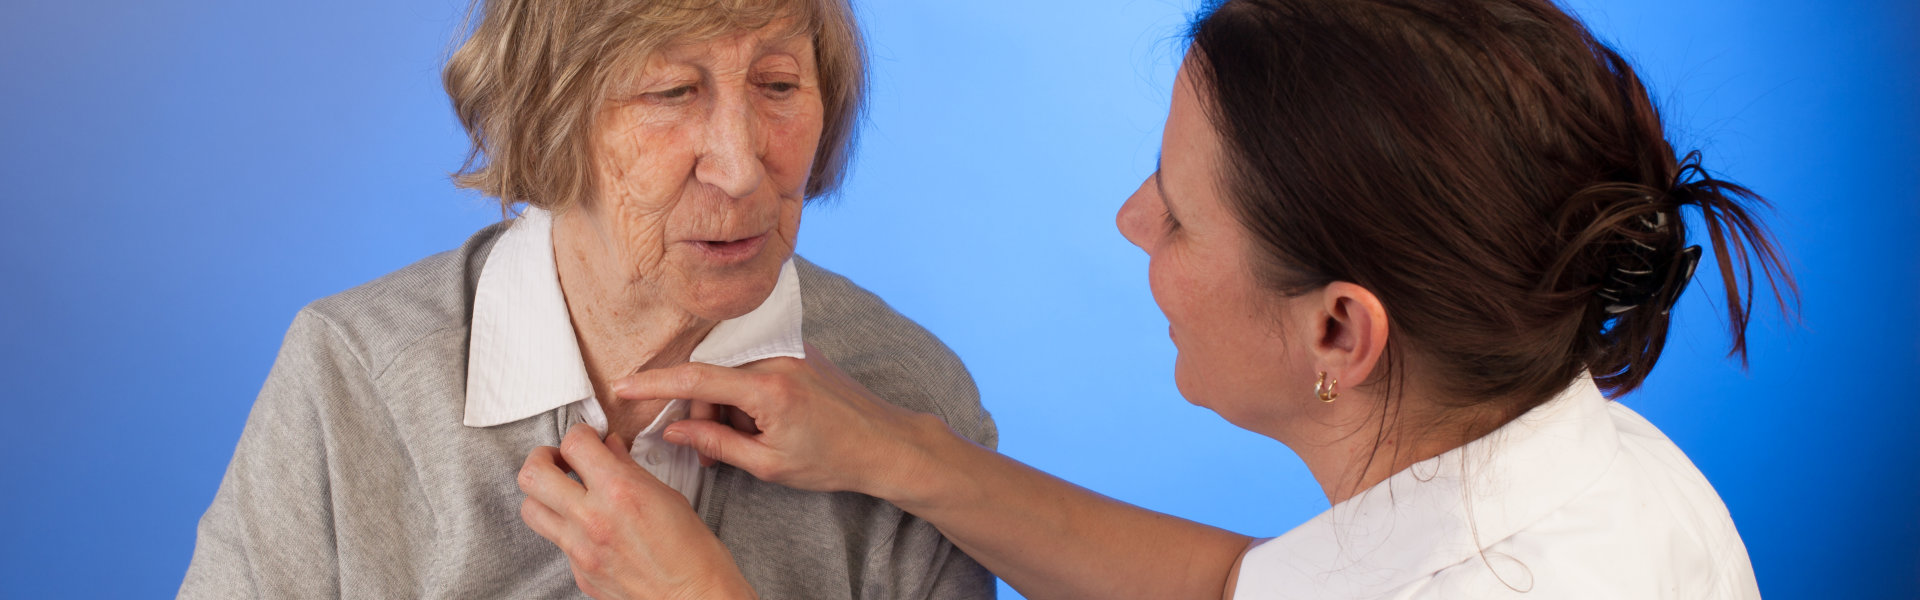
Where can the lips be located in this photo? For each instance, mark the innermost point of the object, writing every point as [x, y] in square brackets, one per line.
[729, 251]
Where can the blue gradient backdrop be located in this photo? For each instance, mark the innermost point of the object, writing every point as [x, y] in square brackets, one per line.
[179, 178]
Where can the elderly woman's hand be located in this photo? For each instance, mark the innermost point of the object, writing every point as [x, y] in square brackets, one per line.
[626, 534]
[807, 425]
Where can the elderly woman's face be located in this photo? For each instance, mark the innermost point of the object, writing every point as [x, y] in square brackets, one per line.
[702, 154]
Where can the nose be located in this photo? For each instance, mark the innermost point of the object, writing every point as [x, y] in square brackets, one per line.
[1134, 219]
[731, 159]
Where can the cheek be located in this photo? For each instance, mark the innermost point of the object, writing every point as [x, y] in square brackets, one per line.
[1229, 349]
[1179, 296]
[641, 169]
[793, 138]
[642, 159]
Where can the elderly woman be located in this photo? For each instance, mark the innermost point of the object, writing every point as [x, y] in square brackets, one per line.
[1416, 241]
[664, 152]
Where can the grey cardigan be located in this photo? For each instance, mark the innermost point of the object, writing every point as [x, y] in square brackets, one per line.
[354, 476]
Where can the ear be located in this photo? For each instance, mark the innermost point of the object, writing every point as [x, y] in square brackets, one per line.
[1352, 332]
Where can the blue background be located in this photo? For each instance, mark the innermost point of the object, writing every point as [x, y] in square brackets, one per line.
[179, 178]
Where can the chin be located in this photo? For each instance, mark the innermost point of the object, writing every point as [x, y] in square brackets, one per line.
[1194, 390]
[732, 291]
[1192, 393]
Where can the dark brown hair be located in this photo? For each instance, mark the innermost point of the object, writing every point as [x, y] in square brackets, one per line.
[1497, 177]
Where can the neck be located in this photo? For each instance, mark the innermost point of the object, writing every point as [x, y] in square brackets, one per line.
[1355, 445]
[623, 326]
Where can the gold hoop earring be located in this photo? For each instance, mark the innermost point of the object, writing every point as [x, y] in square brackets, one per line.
[1325, 389]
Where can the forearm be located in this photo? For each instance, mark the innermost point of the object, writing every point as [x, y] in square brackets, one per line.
[1049, 538]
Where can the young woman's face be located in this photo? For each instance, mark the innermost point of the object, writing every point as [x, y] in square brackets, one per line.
[1233, 357]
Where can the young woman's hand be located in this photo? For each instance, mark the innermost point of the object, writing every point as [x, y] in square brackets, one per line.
[799, 423]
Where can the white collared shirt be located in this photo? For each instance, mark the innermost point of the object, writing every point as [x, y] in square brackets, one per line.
[1578, 498]
[523, 358]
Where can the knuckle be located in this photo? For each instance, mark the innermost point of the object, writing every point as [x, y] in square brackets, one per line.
[596, 529]
[779, 387]
[571, 443]
[709, 445]
[623, 493]
[528, 510]
[689, 378]
[589, 565]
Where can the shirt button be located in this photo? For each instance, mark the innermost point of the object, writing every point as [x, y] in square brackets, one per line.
[656, 456]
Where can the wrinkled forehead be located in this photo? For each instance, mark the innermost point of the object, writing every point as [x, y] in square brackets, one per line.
[651, 33]
[651, 26]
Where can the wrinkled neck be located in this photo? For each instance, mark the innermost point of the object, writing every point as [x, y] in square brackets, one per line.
[622, 325]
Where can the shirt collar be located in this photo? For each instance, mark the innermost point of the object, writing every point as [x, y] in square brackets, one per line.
[1449, 508]
[523, 358]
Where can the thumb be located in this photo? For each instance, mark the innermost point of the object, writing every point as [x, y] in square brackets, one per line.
[719, 442]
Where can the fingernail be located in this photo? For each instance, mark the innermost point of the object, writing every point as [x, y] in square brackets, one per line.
[675, 437]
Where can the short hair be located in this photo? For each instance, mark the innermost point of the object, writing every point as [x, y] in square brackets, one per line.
[527, 81]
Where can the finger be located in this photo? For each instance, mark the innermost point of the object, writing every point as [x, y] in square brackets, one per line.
[543, 520]
[721, 414]
[706, 411]
[695, 381]
[589, 456]
[617, 447]
[624, 456]
[544, 478]
[721, 443]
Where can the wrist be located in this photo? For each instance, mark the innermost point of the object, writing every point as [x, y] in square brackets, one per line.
[727, 584]
[926, 467]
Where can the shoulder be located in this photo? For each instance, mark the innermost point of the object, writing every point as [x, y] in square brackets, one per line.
[401, 336]
[889, 353]
[380, 320]
[1652, 520]
[1677, 501]
[1673, 493]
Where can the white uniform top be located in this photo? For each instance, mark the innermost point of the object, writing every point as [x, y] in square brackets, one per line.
[1578, 498]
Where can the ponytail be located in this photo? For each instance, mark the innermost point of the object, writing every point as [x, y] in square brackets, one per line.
[1636, 251]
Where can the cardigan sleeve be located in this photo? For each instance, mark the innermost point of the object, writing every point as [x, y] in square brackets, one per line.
[270, 530]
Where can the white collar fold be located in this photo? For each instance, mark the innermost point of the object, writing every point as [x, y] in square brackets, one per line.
[523, 359]
[1448, 508]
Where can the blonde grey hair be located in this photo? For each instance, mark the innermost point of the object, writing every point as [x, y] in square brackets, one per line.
[527, 81]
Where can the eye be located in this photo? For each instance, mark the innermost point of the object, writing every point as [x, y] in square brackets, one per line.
[780, 88]
[671, 96]
[1172, 223]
